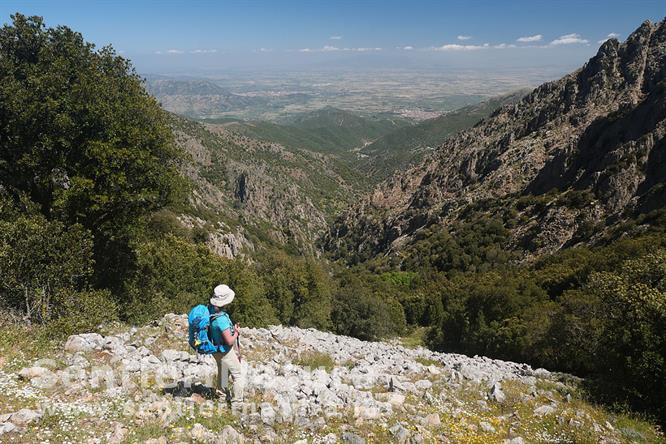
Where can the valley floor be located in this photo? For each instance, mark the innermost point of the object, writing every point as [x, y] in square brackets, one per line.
[304, 386]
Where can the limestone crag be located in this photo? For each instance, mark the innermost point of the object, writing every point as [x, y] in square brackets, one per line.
[248, 191]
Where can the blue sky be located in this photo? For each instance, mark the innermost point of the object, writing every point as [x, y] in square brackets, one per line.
[170, 36]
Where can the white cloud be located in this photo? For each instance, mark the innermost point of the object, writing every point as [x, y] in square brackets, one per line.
[568, 39]
[456, 47]
[335, 37]
[265, 50]
[464, 37]
[612, 35]
[203, 51]
[530, 38]
[406, 48]
[170, 51]
[504, 46]
[330, 48]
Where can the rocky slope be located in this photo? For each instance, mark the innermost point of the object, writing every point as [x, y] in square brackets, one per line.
[599, 129]
[249, 192]
[403, 147]
[306, 386]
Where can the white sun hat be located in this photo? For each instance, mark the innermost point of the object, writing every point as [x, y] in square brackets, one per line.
[222, 295]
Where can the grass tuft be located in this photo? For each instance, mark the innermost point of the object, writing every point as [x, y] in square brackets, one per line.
[315, 360]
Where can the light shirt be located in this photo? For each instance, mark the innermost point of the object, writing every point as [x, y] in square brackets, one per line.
[219, 324]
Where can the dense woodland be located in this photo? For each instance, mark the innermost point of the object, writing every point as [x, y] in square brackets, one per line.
[88, 162]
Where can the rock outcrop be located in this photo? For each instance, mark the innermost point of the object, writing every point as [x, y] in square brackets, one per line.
[248, 192]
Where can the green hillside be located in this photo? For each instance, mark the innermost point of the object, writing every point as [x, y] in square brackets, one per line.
[407, 145]
[328, 130]
[269, 194]
[345, 129]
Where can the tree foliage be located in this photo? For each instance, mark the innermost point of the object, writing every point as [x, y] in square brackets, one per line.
[39, 260]
[633, 338]
[173, 275]
[80, 136]
[299, 289]
[367, 307]
[599, 313]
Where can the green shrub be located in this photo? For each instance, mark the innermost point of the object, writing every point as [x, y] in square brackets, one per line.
[299, 290]
[366, 307]
[173, 275]
[475, 245]
[483, 314]
[632, 348]
[403, 279]
[599, 313]
[38, 261]
[82, 312]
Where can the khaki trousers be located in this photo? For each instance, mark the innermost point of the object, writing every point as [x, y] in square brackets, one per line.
[229, 363]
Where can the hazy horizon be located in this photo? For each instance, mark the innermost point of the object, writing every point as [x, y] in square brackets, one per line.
[204, 39]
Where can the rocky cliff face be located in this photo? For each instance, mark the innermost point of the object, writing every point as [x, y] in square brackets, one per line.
[305, 386]
[249, 192]
[599, 129]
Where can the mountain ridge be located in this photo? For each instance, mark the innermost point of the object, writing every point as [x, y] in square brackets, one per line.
[515, 151]
[405, 146]
[194, 97]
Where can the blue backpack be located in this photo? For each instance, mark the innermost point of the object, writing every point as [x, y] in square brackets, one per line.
[199, 321]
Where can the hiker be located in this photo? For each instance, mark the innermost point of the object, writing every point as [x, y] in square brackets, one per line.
[225, 335]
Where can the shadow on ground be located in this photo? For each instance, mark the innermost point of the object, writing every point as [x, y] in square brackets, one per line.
[184, 389]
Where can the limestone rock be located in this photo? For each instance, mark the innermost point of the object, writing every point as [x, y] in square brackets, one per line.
[432, 420]
[267, 413]
[400, 433]
[84, 342]
[119, 434]
[29, 373]
[199, 433]
[6, 427]
[25, 416]
[496, 393]
[293, 396]
[229, 435]
[423, 384]
[544, 410]
[352, 438]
